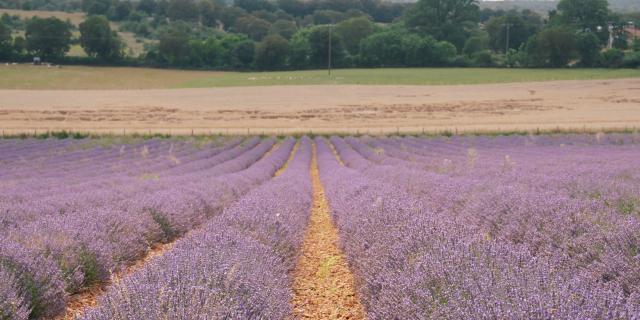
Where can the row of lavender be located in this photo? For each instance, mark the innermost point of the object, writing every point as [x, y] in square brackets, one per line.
[235, 267]
[25, 196]
[485, 228]
[72, 241]
[62, 183]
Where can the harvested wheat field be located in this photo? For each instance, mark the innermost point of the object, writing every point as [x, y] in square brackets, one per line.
[593, 104]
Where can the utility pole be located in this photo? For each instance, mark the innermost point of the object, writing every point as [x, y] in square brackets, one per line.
[506, 47]
[329, 53]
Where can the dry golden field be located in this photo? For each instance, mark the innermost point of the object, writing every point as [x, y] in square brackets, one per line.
[169, 101]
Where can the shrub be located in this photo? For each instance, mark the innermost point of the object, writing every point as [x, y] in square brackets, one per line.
[613, 58]
[36, 276]
[12, 303]
[483, 58]
[475, 44]
[632, 60]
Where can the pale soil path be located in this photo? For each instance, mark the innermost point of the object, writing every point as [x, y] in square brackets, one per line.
[323, 286]
[592, 104]
[78, 303]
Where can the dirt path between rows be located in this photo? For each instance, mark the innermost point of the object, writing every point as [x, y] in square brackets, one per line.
[79, 303]
[323, 286]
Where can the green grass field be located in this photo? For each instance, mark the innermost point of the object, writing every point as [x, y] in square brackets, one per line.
[406, 76]
[75, 77]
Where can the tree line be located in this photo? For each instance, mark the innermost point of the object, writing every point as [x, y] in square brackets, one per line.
[298, 34]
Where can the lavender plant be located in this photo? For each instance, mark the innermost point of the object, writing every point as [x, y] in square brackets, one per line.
[76, 248]
[431, 234]
[12, 304]
[235, 267]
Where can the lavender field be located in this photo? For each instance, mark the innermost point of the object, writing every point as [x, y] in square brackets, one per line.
[463, 227]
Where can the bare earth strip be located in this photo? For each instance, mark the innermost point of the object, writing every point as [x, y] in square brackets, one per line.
[323, 286]
[591, 104]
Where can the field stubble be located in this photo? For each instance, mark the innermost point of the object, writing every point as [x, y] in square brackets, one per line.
[572, 105]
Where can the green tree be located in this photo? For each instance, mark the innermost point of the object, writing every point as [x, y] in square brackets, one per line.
[285, 28]
[297, 8]
[522, 25]
[6, 45]
[161, 8]
[588, 46]
[207, 53]
[384, 49]
[173, 46]
[319, 47]
[426, 51]
[242, 54]
[300, 49]
[352, 31]
[271, 53]
[48, 37]
[147, 6]
[254, 5]
[253, 27]
[120, 11]
[265, 15]
[327, 17]
[97, 39]
[483, 58]
[238, 51]
[229, 15]
[208, 14]
[19, 45]
[475, 44]
[613, 58]
[96, 7]
[399, 48]
[553, 47]
[448, 20]
[186, 10]
[584, 14]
